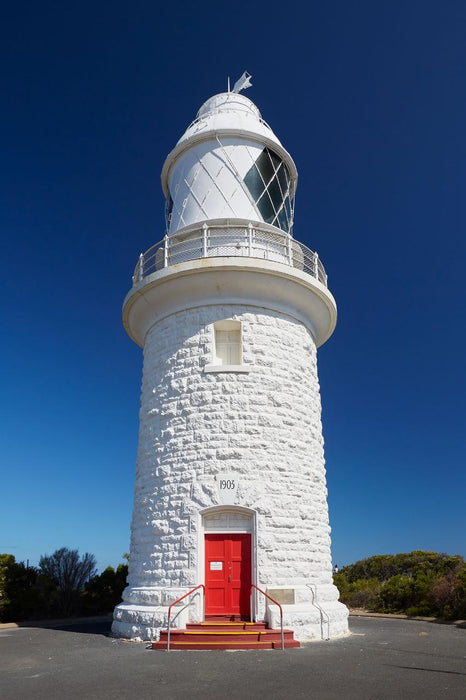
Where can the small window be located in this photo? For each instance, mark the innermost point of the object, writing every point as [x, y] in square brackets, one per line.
[227, 351]
[227, 343]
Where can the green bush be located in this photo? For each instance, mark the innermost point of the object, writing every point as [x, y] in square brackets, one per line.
[384, 566]
[416, 583]
[60, 588]
[103, 592]
[20, 594]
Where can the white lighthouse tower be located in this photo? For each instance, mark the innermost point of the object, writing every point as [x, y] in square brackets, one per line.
[230, 309]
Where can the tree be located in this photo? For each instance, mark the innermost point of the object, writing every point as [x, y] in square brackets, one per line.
[70, 573]
[104, 591]
[18, 592]
[414, 583]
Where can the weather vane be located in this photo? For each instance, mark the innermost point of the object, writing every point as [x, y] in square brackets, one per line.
[242, 83]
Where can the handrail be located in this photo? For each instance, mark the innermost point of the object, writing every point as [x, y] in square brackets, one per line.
[313, 588]
[253, 585]
[201, 585]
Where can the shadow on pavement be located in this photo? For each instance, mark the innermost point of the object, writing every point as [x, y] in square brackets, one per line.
[98, 627]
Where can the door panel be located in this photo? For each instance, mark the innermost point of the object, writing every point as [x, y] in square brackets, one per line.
[227, 574]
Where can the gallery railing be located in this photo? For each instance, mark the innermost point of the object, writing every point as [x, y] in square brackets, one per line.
[229, 240]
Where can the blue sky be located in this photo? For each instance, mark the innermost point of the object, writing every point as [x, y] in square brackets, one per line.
[369, 98]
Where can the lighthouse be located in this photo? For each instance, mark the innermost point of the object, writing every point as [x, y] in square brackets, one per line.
[230, 505]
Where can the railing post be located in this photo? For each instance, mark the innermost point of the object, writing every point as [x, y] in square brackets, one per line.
[316, 266]
[289, 251]
[141, 268]
[204, 240]
[165, 251]
[250, 234]
[201, 585]
[253, 585]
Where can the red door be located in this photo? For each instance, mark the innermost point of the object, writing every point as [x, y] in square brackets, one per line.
[227, 574]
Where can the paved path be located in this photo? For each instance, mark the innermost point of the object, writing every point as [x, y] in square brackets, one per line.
[383, 658]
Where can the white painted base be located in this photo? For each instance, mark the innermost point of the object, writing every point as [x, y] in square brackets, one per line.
[144, 622]
[145, 619]
[309, 623]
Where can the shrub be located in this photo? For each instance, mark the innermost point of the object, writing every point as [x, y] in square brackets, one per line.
[358, 594]
[417, 583]
[104, 591]
[19, 593]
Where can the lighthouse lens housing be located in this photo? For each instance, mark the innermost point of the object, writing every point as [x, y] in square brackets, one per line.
[268, 182]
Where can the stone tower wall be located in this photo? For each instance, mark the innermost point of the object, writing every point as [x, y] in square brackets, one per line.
[264, 425]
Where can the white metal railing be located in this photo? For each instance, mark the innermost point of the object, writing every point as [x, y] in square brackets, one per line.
[229, 239]
[324, 617]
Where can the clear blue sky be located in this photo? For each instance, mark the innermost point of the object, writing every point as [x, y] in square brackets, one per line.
[370, 100]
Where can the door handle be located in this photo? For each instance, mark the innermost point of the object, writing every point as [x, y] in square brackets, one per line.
[229, 578]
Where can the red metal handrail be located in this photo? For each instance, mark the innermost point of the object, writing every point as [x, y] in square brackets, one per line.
[201, 585]
[253, 585]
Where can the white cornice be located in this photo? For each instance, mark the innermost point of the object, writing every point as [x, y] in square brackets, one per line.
[212, 281]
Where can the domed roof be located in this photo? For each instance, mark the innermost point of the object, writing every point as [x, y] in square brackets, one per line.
[228, 102]
[229, 111]
[228, 114]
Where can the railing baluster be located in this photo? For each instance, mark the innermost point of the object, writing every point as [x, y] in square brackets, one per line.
[141, 268]
[165, 251]
[205, 228]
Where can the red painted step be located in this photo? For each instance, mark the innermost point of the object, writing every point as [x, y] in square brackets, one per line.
[223, 635]
[226, 626]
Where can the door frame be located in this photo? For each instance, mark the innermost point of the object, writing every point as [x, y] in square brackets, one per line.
[204, 529]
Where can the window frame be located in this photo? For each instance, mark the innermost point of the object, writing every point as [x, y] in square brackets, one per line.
[217, 364]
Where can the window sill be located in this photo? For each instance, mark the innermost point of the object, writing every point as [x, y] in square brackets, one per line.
[228, 368]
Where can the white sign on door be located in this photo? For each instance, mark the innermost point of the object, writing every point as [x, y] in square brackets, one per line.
[216, 565]
[227, 485]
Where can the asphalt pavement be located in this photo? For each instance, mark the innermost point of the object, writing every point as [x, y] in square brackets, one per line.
[382, 658]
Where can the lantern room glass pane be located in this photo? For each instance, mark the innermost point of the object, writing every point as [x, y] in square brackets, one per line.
[268, 183]
[265, 166]
[283, 179]
[275, 159]
[275, 194]
[168, 210]
[254, 183]
[287, 207]
[266, 208]
[282, 220]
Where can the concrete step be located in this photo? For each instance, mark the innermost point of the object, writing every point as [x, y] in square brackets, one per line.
[222, 635]
[219, 636]
[212, 646]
